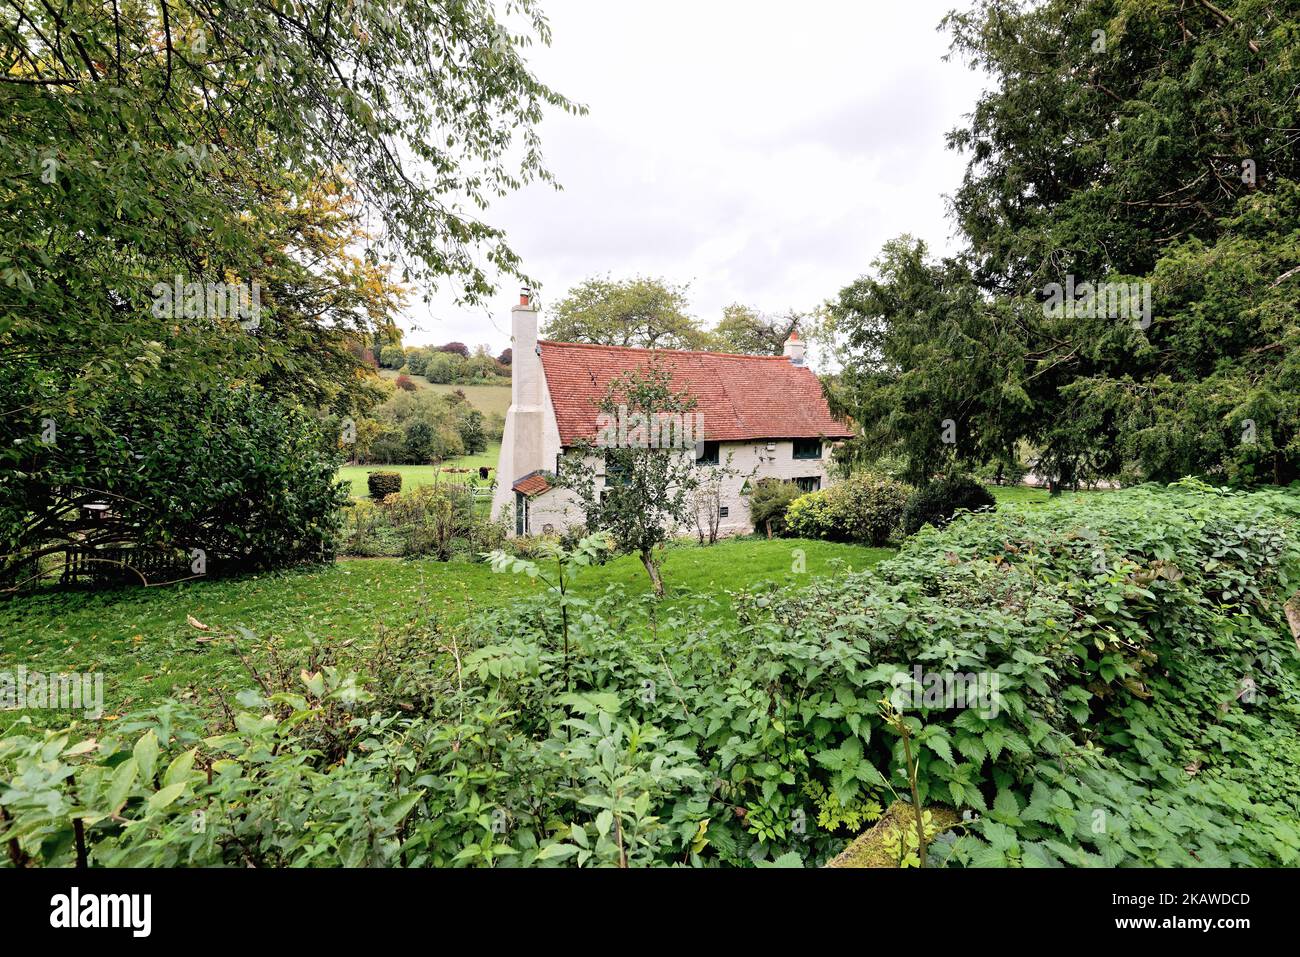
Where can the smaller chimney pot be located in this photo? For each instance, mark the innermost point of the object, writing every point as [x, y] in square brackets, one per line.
[794, 348]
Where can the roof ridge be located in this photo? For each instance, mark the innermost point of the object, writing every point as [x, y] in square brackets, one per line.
[677, 352]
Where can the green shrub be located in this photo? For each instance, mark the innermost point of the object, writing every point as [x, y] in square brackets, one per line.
[865, 507]
[417, 360]
[392, 357]
[439, 521]
[1119, 732]
[769, 499]
[937, 502]
[811, 516]
[869, 506]
[382, 484]
[432, 518]
[249, 480]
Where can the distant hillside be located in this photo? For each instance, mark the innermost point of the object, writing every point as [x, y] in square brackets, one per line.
[485, 398]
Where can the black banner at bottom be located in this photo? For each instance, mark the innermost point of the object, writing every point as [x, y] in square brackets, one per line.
[139, 909]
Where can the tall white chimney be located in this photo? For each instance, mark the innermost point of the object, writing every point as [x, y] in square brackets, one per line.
[794, 348]
[525, 364]
[521, 442]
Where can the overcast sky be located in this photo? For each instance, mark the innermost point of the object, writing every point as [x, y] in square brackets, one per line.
[761, 152]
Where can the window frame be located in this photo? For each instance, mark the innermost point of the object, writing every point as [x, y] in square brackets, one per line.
[703, 457]
[795, 453]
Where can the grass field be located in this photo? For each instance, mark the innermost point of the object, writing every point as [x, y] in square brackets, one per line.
[1028, 495]
[485, 398]
[1018, 494]
[414, 476]
[141, 641]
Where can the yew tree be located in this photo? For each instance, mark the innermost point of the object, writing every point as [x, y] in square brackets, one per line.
[1150, 143]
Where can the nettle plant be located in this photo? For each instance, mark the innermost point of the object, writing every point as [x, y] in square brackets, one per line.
[1147, 701]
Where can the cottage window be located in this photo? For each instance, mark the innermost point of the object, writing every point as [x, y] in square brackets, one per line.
[707, 453]
[809, 483]
[807, 448]
[617, 471]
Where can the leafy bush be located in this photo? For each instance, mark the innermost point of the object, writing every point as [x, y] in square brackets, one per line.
[811, 516]
[1121, 630]
[249, 480]
[416, 427]
[869, 506]
[417, 360]
[937, 502]
[404, 383]
[444, 367]
[432, 520]
[392, 357]
[382, 484]
[865, 507]
[769, 499]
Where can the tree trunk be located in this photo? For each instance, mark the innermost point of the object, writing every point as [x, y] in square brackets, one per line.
[1292, 610]
[652, 569]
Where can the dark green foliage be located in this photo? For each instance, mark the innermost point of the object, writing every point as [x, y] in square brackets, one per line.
[1122, 631]
[768, 500]
[249, 481]
[421, 442]
[417, 427]
[1134, 143]
[417, 361]
[382, 484]
[472, 432]
[938, 501]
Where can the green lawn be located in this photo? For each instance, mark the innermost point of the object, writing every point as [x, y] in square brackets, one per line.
[141, 640]
[1027, 495]
[414, 476]
[1018, 494]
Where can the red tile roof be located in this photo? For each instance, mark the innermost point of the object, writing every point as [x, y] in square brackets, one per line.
[534, 483]
[741, 397]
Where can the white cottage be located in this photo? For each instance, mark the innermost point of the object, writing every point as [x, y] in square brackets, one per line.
[765, 416]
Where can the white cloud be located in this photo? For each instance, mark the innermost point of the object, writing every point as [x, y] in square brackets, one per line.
[762, 152]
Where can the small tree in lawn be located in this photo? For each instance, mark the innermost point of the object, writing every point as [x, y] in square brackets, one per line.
[706, 500]
[648, 460]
